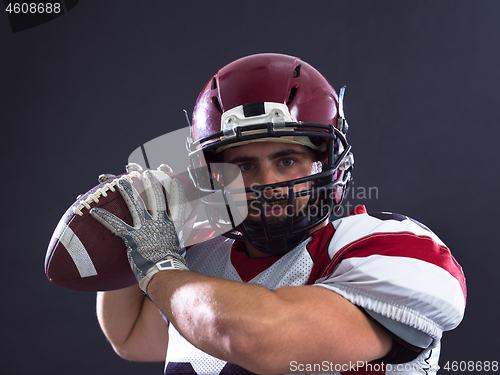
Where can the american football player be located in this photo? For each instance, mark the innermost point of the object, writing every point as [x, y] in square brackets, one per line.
[276, 287]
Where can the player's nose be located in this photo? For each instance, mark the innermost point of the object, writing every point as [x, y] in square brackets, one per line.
[268, 176]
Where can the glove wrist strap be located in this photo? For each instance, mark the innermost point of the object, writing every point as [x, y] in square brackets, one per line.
[166, 264]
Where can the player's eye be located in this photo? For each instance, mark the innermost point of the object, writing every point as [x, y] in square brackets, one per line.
[286, 162]
[245, 167]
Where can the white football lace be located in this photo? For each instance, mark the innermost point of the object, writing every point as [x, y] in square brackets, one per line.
[94, 197]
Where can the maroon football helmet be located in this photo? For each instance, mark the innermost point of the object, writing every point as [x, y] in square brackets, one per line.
[269, 97]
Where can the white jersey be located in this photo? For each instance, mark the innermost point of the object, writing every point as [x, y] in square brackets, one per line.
[392, 266]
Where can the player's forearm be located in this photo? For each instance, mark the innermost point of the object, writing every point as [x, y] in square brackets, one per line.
[263, 330]
[226, 319]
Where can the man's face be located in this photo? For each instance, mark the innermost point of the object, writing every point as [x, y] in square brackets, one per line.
[263, 163]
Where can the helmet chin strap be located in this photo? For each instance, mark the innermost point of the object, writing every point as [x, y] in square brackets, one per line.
[279, 245]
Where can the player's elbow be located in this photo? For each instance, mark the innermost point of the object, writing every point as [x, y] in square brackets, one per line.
[261, 364]
[124, 354]
[251, 355]
[137, 351]
[136, 356]
[250, 350]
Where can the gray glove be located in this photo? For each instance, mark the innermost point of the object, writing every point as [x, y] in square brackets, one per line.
[152, 242]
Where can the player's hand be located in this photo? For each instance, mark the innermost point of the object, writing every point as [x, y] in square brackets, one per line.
[153, 240]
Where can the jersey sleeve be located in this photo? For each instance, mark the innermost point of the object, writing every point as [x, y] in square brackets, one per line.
[399, 272]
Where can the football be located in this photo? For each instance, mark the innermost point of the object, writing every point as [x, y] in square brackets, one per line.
[83, 254]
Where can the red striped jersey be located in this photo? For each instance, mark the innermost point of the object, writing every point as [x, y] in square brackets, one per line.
[393, 267]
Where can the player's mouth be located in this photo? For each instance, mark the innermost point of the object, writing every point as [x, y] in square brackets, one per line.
[278, 208]
[274, 209]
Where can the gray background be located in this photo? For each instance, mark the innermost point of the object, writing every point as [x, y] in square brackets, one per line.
[80, 93]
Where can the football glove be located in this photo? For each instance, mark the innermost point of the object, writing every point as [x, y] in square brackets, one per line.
[153, 239]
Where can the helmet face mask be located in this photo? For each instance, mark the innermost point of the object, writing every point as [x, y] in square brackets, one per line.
[225, 122]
